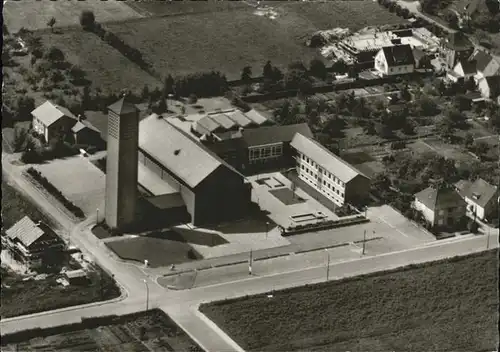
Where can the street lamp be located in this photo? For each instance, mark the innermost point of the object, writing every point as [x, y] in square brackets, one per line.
[267, 228]
[364, 242]
[328, 266]
[488, 239]
[97, 216]
[147, 294]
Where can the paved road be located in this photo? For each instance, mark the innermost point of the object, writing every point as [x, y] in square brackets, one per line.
[182, 305]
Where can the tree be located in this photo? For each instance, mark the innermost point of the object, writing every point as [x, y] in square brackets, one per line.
[145, 92]
[493, 6]
[54, 54]
[20, 135]
[468, 140]
[405, 13]
[246, 74]
[452, 19]
[87, 20]
[267, 72]
[24, 106]
[455, 118]
[339, 66]
[169, 86]
[317, 68]
[51, 23]
[426, 106]
[472, 226]
[405, 93]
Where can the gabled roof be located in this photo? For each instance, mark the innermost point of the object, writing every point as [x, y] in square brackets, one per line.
[399, 55]
[190, 161]
[274, 134]
[123, 107]
[26, 231]
[223, 121]
[238, 117]
[256, 117]
[326, 159]
[418, 53]
[80, 125]
[49, 113]
[458, 41]
[468, 67]
[206, 125]
[440, 197]
[479, 191]
[494, 84]
[482, 59]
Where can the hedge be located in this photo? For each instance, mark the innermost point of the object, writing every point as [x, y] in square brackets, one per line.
[55, 192]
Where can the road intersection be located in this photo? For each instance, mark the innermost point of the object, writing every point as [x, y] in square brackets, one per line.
[214, 284]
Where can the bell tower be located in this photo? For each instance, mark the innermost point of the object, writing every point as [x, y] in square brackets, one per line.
[121, 164]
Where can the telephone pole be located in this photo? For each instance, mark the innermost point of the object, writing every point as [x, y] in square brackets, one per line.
[328, 266]
[364, 242]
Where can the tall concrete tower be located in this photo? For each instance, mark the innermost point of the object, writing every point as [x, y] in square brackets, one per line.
[121, 164]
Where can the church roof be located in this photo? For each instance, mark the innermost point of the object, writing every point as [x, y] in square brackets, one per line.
[123, 107]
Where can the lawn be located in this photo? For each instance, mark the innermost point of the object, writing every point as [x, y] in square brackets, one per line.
[229, 40]
[166, 8]
[286, 196]
[157, 249]
[35, 14]
[21, 297]
[445, 306]
[104, 66]
[152, 331]
[15, 206]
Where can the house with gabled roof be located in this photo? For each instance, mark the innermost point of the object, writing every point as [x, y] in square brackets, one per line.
[456, 46]
[490, 87]
[486, 66]
[463, 71]
[395, 60]
[441, 206]
[52, 121]
[34, 244]
[328, 173]
[480, 196]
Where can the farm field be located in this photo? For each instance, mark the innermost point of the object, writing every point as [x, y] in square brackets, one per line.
[35, 14]
[165, 8]
[442, 306]
[105, 67]
[153, 331]
[229, 40]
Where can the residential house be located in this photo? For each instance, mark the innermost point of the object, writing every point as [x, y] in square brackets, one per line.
[329, 174]
[35, 244]
[395, 60]
[76, 277]
[397, 109]
[456, 47]
[490, 88]
[463, 71]
[52, 121]
[422, 59]
[481, 198]
[441, 206]
[486, 66]
[85, 133]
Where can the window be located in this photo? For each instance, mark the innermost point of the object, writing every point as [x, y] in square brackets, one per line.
[302, 167]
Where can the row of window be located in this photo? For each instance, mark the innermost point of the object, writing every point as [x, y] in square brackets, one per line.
[399, 69]
[324, 182]
[266, 152]
[337, 198]
[321, 170]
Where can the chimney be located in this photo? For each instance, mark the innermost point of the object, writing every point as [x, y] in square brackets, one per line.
[79, 118]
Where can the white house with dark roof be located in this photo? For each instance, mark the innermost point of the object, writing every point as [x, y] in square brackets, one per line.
[463, 70]
[52, 121]
[480, 196]
[486, 64]
[184, 173]
[441, 206]
[395, 60]
[32, 243]
[329, 174]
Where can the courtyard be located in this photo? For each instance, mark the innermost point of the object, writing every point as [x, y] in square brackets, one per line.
[78, 180]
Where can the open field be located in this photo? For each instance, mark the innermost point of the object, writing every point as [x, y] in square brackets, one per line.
[104, 66]
[153, 331]
[166, 8]
[229, 40]
[158, 249]
[35, 14]
[15, 206]
[442, 306]
[21, 297]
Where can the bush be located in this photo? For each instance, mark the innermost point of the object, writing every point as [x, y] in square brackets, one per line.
[87, 20]
[37, 176]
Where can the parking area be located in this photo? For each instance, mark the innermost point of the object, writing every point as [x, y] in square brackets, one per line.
[79, 181]
[287, 203]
